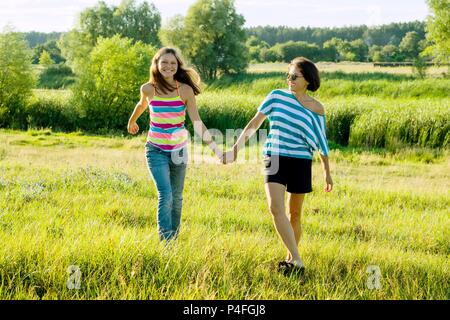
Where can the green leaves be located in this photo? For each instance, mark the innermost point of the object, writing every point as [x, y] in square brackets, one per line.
[438, 32]
[16, 78]
[211, 36]
[110, 79]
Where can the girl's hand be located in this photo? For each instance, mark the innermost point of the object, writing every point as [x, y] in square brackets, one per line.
[329, 183]
[219, 154]
[229, 157]
[133, 128]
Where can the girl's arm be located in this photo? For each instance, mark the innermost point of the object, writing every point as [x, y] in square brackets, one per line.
[199, 127]
[146, 95]
[249, 130]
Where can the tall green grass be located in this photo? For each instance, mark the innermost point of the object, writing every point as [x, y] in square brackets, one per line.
[86, 201]
[360, 121]
[363, 109]
[405, 124]
[335, 84]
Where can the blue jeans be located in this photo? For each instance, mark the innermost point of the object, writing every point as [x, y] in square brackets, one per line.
[168, 170]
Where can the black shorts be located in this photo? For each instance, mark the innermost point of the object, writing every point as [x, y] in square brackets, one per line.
[294, 173]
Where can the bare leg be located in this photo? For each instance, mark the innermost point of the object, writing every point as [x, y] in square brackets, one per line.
[295, 203]
[275, 197]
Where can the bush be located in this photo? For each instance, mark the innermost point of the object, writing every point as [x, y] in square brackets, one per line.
[16, 79]
[110, 81]
[406, 124]
[57, 76]
[52, 109]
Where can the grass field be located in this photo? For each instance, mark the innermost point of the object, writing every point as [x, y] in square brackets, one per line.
[76, 201]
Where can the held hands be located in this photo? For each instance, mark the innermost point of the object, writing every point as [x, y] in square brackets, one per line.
[229, 156]
[133, 128]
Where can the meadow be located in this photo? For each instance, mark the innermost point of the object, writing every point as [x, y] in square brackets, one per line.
[83, 201]
[365, 108]
[88, 201]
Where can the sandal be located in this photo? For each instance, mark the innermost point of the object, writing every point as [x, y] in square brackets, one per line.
[283, 265]
[294, 269]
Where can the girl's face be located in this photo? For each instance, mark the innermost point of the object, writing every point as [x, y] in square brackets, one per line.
[295, 79]
[167, 65]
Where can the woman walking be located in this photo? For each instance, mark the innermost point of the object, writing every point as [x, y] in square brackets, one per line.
[297, 129]
[169, 93]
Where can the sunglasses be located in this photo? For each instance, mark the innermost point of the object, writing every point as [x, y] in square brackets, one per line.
[292, 76]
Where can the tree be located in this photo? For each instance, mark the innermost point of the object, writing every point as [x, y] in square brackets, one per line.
[330, 50]
[52, 48]
[138, 22]
[391, 53]
[35, 39]
[410, 45]
[269, 55]
[16, 78]
[291, 50]
[213, 38]
[75, 47]
[375, 53]
[45, 59]
[360, 49]
[109, 81]
[172, 33]
[254, 47]
[438, 31]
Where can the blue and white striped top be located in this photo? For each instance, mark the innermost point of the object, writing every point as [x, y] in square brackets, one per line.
[295, 131]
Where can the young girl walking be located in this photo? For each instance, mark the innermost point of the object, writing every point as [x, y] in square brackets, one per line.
[169, 93]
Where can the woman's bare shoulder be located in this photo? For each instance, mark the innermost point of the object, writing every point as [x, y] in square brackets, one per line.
[315, 106]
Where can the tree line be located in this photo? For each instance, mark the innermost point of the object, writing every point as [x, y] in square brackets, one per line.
[395, 42]
[337, 49]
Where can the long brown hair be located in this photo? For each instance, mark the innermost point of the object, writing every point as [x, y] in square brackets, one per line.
[185, 75]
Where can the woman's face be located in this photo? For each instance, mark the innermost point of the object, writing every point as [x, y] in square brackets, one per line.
[297, 84]
[167, 65]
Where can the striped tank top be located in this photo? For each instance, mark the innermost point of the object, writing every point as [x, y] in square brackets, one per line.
[167, 115]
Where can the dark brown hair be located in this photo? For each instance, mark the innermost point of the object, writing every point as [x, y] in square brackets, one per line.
[309, 72]
[183, 74]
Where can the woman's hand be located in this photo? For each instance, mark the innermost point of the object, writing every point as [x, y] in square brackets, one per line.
[133, 128]
[329, 183]
[229, 156]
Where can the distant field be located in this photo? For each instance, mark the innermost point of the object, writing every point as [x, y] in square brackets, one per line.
[79, 202]
[350, 67]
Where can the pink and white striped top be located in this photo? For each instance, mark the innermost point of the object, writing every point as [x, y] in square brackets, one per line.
[167, 117]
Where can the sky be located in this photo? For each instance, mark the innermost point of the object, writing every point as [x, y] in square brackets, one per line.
[61, 15]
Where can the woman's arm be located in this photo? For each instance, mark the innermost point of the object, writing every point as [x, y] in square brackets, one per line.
[199, 127]
[146, 95]
[249, 130]
[326, 171]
